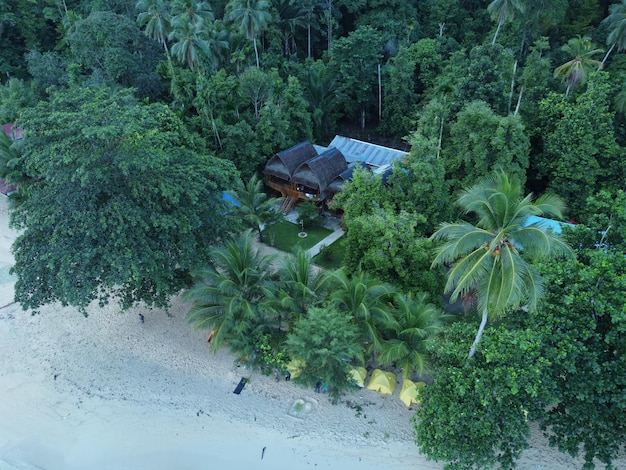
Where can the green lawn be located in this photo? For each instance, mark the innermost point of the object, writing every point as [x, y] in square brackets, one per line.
[332, 256]
[284, 236]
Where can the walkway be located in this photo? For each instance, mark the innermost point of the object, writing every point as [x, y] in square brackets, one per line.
[330, 239]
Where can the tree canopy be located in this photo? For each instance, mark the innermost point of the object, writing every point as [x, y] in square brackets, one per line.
[119, 201]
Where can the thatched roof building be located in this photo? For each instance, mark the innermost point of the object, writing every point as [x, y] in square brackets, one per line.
[284, 163]
[316, 174]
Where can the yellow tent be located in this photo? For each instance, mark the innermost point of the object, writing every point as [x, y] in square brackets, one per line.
[383, 382]
[357, 374]
[295, 366]
[409, 393]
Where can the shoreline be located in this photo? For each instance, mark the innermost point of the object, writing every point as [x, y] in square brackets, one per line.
[110, 392]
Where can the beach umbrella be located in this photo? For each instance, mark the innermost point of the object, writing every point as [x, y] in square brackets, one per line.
[409, 392]
[357, 374]
[382, 381]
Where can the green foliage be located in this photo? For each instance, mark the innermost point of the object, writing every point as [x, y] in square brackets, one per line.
[355, 59]
[387, 246]
[15, 95]
[491, 259]
[326, 343]
[308, 213]
[583, 311]
[366, 300]
[417, 324]
[580, 152]
[476, 417]
[227, 295]
[110, 49]
[255, 208]
[119, 202]
[482, 142]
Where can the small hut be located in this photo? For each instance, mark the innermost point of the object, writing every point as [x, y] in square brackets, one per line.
[313, 177]
[280, 168]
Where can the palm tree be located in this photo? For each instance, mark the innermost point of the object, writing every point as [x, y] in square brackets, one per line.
[367, 300]
[191, 41]
[228, 296]
[616, 24]
[155, 19]
[575, 71]
[255, 208]
[193, 10]
[492, 258]
[503, 11]
[300, 285]
[291, 16]
[417, 322]
[252, 16]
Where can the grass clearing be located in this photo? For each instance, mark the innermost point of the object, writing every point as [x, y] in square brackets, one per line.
[331, 257]
[284, 236]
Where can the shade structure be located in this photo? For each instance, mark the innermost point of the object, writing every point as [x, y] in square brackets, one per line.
[357, 374]
[409, 393]
[382, 381]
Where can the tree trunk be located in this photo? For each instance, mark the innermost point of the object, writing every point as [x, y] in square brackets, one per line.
[519, 101]
[479, 335]
[512, 85]
[256, 53]
[606, 56]
[309, 40]
[493, 43]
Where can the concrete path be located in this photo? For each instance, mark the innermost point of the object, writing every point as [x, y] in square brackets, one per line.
[330, 239]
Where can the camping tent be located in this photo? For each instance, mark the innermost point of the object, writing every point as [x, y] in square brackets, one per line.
[357, 374]
[410, 391]
[383, 382]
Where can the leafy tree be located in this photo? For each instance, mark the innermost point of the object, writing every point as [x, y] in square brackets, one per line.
[417, 323]
[491, 259]
[15, 95]
[47, 69]
[256, 86]
[326, 343]
[110, 48]
[481, 141]
[418, 184]
[356, 59]
[321, 90]
[503, 11]
[121, 203]
[575, 71]
[252, 17]
[228, 295]
[291, 15]
[580, 154]
[476, 418]
[387, 246]
[254, 207]
[240, 149]
[399, 111]
[583, 312]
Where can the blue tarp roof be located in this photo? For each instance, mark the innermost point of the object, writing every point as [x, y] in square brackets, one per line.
[228, 198]
[545, 224]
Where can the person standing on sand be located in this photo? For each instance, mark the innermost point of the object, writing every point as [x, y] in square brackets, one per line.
[141, 318]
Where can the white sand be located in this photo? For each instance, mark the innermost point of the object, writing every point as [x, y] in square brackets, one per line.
[107, 392]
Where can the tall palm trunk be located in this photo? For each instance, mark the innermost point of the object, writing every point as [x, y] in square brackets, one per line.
[479, 335]
[256, 53]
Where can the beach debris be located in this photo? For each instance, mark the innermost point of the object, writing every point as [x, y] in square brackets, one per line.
[263, 452]
[242, 383]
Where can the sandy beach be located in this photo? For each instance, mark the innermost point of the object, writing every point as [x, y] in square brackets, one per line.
[110, 392]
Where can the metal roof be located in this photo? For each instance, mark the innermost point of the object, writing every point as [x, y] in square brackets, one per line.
[372, 154]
